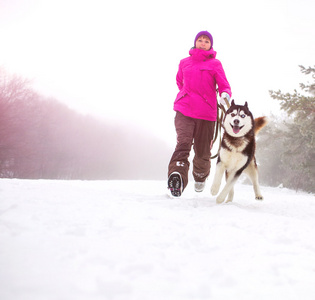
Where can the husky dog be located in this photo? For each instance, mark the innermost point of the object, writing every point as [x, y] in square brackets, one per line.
[237, 152]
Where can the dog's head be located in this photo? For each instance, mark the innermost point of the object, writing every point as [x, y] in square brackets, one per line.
[238, 120]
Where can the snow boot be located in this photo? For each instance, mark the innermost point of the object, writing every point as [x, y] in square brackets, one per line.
[175, 184]
[199, 186]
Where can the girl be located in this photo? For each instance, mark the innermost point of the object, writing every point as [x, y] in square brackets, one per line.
[196, 111]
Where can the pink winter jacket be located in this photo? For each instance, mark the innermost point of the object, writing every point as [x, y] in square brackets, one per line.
[197, 78]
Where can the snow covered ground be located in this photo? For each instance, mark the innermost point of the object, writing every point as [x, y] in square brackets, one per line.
[128, 240]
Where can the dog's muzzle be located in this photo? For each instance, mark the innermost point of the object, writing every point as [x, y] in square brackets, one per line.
[236, 128]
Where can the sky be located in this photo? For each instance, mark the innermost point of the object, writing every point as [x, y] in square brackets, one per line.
[118, 60]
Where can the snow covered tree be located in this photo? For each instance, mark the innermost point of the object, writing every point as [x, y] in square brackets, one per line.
[293, 142]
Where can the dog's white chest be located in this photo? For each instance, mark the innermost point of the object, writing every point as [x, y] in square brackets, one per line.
[233, 160]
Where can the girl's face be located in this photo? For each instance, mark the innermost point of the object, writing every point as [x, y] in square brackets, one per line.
[203, 42]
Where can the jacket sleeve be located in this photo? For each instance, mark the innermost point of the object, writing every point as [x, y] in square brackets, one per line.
[222, 82]
[179, 77]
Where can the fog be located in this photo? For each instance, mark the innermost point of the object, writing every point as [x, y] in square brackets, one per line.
[118, 60]
[43, 138]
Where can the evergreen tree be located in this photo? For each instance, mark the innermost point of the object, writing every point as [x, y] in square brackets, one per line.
[292, 143]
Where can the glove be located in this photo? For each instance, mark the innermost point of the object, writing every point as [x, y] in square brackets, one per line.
[226, 96]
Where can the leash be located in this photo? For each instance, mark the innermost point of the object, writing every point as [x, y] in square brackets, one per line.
[218, 124]
[227, 103]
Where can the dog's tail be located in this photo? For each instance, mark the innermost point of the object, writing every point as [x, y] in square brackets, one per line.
[260, 123]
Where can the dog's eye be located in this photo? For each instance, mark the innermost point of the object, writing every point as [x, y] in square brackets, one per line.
[233, 115]
[243, 116]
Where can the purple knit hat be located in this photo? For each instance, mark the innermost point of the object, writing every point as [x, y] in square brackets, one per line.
[204, 33]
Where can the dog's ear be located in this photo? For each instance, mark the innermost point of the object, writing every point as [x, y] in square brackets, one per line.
[232, 103]
[246, 105]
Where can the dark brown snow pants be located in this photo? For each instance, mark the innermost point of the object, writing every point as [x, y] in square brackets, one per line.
[192, 131]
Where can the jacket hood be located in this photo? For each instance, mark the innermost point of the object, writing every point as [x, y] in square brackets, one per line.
[200, 54]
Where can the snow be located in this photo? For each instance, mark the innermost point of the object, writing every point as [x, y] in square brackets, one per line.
[131, 240]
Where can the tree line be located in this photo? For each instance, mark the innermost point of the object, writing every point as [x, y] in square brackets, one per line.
[42, 138]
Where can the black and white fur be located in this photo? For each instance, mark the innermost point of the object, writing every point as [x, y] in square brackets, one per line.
[237, 151]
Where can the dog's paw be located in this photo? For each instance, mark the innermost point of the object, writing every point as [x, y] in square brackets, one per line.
[260, 198]
[220, 199]
[214, 189]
